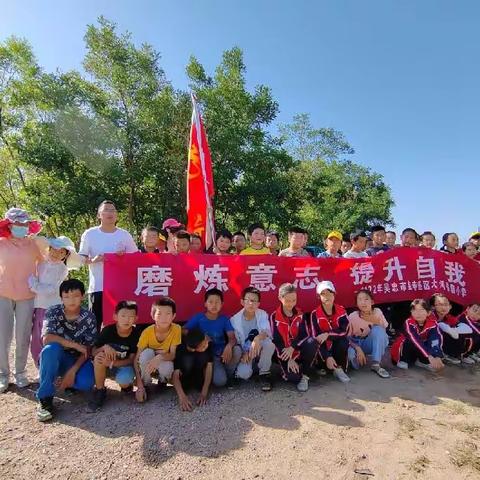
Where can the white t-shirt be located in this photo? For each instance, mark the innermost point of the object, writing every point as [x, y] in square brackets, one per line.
[95, 242]
[351, 254]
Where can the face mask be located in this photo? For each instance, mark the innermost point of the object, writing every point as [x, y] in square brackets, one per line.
[19, 232]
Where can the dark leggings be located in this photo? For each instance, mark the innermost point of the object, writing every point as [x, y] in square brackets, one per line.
[308, 354]
[456, 347]
[95, 303]
[410, 353]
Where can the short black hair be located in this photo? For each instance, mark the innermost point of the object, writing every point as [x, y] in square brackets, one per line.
[446, 235]
[274, 234]
[423, 303]
[391, 231]
[106, 202]
[409, 229]
[253, 290]
[346, 238]
[297, 230]
[254, 226]
[151, 228]
[70, 285]
[164, 302]
[437, 295]
[182, 234]
[239, 233]
[357, 234]
[127, 305]
[378, 228]
[194, 338]
[214, 291]
[223, 233]
[427, 232]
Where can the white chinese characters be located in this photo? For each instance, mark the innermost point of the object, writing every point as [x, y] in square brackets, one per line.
[153, 281]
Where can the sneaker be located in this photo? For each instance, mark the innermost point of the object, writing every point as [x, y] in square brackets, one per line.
[21, 380]
[468, 361]
[426, 366]
[475, 357]
[322, 372]
[3, 384]
[266, 380]
[302, 385]
[403, 365]
[232, 382]
[45, 409]
[341, 375]
[380, 371]
[452, 360]
[97, 400]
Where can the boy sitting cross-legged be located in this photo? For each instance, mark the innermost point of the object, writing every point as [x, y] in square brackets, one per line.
[193, 368]
[252, 329]
[68, 333]
[157, 346]
[114, 352]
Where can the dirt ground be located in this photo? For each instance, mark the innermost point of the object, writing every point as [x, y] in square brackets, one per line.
[414, 425]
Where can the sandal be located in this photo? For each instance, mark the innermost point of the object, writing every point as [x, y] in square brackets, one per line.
[380, 371]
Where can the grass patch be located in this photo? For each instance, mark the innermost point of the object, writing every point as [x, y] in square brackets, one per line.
[455, 407]
[472, 430]
[466, 456]
[420, 464]
[407, 425]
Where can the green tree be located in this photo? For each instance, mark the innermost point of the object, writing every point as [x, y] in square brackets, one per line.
[250, 166]
[327, 191]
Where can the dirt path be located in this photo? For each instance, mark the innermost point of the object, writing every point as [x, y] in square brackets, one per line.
[415, 425]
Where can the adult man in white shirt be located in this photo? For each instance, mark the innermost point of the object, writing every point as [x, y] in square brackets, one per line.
[95, 242]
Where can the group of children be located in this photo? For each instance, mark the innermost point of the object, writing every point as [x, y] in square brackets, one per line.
[358, 244]
[211, 348]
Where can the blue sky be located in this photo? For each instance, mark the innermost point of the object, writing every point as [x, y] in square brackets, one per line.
[399, 78]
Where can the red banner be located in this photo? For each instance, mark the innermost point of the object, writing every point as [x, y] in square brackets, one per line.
[200, 189]
[397, 275]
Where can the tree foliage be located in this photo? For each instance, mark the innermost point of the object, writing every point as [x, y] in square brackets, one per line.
[119, 130]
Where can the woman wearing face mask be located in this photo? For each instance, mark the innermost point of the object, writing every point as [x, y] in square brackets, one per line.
[19, 256]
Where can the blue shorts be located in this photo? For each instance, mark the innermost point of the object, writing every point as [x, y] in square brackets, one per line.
[122, 375]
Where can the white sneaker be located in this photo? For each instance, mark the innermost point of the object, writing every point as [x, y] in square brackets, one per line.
[403, 365]
[341, 375]
[21, 380]
[452, 360]
[426, 366]
[3, 384]
[475, 357]
[468, 361]
[302, 385]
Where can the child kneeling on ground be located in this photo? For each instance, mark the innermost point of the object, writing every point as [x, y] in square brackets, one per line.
[421, 342]
[252, 330]
[295, 361]
[68, 334]
[114, 352]
[193, 368]
[367, 334]
[157, 346]
[323, 332]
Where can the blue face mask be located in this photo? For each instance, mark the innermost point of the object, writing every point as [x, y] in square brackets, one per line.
[18, 231]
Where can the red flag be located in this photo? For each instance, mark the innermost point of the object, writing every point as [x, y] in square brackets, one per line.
[200, 189]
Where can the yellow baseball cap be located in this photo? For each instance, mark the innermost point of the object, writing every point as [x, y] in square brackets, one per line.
[335, 234]
[475, 235]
